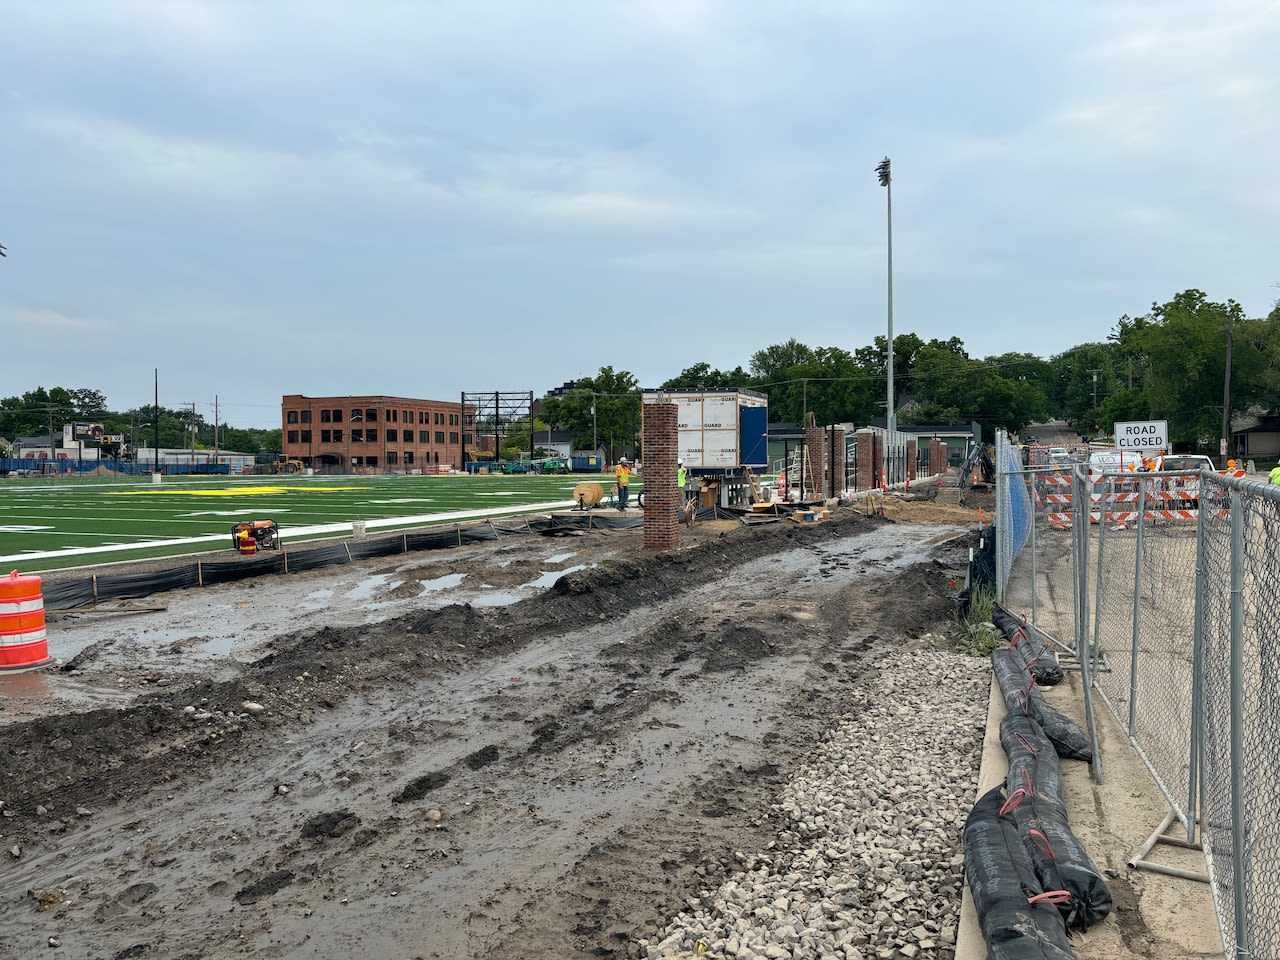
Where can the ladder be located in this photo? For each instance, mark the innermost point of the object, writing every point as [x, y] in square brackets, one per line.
[756, 493]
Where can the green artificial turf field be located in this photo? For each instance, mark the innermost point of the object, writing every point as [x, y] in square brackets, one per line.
[83, 521]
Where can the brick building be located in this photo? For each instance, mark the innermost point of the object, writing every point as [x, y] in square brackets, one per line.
[366, 434]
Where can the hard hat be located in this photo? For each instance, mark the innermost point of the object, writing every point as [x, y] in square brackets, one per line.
[680, 463]
[622, 459]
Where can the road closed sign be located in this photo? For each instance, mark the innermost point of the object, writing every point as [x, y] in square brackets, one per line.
[1143, 435]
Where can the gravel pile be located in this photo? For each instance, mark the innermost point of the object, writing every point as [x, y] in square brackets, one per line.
[867, 862]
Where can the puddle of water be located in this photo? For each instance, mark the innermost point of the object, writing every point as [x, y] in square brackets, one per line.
[549, 578]
[366, 588]
[441, 583]
[562, 557]
[498, 598]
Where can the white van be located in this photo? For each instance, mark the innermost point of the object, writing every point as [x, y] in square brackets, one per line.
[1119, 462]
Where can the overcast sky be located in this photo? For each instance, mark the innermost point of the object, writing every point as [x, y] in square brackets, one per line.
[419, 198]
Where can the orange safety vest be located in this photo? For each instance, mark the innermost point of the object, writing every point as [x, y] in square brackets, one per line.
[623, 475]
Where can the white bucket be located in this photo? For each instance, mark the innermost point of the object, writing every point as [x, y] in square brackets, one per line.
[157, 477]
[308, 471]
[357, 528]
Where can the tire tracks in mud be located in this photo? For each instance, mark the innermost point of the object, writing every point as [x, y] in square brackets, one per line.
[592, 757]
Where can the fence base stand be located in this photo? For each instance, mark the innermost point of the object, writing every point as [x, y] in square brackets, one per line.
[1138, 862]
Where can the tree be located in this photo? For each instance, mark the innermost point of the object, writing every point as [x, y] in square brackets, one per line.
[1183, 344]
[701, 376]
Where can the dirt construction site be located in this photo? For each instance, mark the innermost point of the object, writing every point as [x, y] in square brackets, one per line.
[760, 744]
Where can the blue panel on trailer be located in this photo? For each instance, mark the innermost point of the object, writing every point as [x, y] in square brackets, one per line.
[753, 436]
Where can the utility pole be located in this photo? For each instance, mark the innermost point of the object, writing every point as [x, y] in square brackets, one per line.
[886, 181]
[1226, 390]
[1095, 387]
[157, 421]
[215, 427]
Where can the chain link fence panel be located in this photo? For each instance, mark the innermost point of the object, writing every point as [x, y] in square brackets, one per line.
[1241, 709]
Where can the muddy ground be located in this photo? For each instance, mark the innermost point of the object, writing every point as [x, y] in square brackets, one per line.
[537, 747]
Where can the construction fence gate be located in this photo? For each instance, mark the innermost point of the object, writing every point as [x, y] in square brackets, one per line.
[1175, 624]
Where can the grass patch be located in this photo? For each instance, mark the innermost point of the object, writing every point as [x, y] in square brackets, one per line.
[978, 636]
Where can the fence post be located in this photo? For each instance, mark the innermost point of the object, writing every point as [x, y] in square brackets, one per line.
[1238, 822]
[1197, 677]
[1095, 644]
[1034, 588]
[1137, 610]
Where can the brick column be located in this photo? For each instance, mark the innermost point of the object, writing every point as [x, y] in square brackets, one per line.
[937, 457]
[661, 495]
[815, 442]
[864, 469]
[913, 452]
[833, 476]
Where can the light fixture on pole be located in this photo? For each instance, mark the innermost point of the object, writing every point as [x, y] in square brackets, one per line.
[886, 181]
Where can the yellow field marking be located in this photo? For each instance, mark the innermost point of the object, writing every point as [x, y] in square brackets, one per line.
[228, 491]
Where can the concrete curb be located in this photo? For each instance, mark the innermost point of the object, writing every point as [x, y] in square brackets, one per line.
[970, 944]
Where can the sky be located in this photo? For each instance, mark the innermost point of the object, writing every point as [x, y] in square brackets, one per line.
[421, 198]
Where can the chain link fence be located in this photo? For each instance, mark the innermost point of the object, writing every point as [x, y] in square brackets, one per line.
[1237, 691]
[1176, 610]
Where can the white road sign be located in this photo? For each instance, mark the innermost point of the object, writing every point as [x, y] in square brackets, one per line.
[1143, 435]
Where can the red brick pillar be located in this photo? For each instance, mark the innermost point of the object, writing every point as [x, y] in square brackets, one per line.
[661, 495]
[937, 457]
[815, 443]
[833, 477]
[912, 455]
[864, 468]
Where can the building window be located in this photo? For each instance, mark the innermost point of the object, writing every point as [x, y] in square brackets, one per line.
[326, 436]
[337, 416]
[408, 458]
[306, 416]
[453, 436]
[437, 456]
[370, 435]
[466, 438]
[371, 414]
[357, 461]
[391, 416]
[306, 436]
[291, 416]
[357, 416]
[357, 436]
[292, 436]
[439, 436]
[337, 436]
[408, 417]
[326, 416]
[392, 458]
[393, 436]
[370, 461]
[424, 436]
[439, 419]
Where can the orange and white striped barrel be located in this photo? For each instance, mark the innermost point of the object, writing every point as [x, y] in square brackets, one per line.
[24, 644]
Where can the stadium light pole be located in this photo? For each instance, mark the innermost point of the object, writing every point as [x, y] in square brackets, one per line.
[1224, 444]
[886, 181]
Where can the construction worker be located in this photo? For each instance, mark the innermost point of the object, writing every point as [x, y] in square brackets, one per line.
[622, 474]
[682, 480]
[1275, 474]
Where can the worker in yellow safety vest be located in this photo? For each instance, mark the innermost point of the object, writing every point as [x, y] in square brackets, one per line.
[682, 479]
[623, 476]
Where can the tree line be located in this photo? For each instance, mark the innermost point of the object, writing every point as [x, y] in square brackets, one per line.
[40, 412]
[1169, 364]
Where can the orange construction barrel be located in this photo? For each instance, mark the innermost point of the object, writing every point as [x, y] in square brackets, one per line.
[248, 546]
[23, 642]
